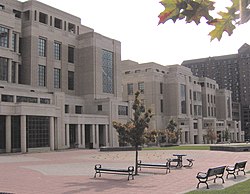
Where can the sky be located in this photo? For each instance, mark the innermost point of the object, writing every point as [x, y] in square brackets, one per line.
[135, 24]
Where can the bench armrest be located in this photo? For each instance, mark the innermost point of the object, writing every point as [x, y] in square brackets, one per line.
[131, 169]
[98, 166]
[201, 173]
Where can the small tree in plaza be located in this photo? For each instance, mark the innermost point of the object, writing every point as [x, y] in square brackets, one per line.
[154, 136]
[173, 133]
[133, 131]
[226, 135]
[211, 135]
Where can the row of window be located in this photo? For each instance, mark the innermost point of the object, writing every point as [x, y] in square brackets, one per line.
[122, 110]
[10, 98]
[130, 88]
[58, 23]
[4, 68]
[43, 18]
[146, 70]
[42, 50]
[57, 77]
[211, 98]
[4, 39]
[211, 111]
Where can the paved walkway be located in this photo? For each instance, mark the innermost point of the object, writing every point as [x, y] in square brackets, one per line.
[71, 172]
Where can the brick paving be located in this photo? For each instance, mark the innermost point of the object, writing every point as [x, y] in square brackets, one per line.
[72, 171]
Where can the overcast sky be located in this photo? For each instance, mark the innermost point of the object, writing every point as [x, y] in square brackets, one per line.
[135, 24]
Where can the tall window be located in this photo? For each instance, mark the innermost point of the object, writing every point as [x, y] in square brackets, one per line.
[3, 69]
[141, 87]
[14, 39]
[4, 37]
[130, 89]
[107, 71]
[183, 99]
[41, 75]
[42, 47]
[71, 54]
[57, 78]
[71, 80]
[161, 105]
[38, 128]
[161, 88]
[57, 51]
[13, 72]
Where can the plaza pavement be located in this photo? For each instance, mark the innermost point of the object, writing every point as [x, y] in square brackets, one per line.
[72, 171]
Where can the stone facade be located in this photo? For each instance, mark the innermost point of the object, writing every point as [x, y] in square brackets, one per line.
[59, 81]
[232, 73]
[196, 104]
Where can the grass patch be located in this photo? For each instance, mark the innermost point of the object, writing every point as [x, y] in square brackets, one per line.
[181, 147]
[242, 188]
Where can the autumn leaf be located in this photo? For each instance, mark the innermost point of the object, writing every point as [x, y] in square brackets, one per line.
[172, 10]
[193, 10]
[225, 24]
[198, 9]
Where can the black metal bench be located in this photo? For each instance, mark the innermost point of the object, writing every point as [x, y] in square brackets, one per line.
[211, 174]
[239, 166]
[129, 171]
[154, 165]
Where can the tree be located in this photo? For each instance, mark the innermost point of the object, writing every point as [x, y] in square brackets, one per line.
[226, 135]
[133, 131]
[172, 132]
[154, 136]
[193, 10]
[211, 135]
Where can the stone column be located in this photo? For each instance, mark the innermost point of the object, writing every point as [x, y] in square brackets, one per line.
[23, 134]
[200, 131]
[83, 136]
[182, 136]
[52, 134]
[8, 133]
[67, 135]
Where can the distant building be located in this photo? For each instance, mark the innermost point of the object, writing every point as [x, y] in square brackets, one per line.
[196, 104]
[232, 73]
[59, 81]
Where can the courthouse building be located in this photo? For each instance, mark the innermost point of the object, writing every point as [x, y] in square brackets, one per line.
[173, 92]
[59, 81]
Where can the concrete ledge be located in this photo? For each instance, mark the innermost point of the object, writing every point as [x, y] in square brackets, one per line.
[232, 148]
[125, 148]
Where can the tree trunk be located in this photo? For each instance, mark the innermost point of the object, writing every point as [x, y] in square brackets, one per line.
[136, 159]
